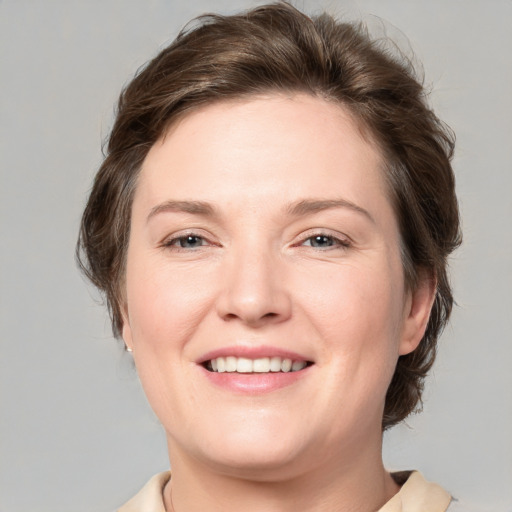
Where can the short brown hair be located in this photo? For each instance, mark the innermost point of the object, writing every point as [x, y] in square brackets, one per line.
[277, 48]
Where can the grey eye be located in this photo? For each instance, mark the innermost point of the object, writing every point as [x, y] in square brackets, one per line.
[190, 241]
[321, 241]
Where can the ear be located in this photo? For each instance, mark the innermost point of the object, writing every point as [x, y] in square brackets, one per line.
[418, 305]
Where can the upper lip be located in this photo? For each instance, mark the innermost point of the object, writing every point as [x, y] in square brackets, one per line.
[252, 352]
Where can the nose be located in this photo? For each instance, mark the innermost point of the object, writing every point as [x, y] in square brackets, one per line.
[254, 289]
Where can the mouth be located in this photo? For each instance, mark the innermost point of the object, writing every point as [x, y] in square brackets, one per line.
[254, 370]
[245, 365]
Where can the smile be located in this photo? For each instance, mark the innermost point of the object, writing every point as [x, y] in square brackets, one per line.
[232, 364]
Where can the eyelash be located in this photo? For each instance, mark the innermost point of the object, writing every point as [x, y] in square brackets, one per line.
[335, 242]
[172, 243]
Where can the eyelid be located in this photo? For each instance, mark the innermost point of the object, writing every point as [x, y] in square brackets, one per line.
[169, 240]
[342, 239]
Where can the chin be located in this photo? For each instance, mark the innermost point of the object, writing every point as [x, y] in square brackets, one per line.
[269, 464]
[257, 453]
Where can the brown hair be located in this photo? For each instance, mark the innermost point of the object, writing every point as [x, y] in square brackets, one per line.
[277, 48]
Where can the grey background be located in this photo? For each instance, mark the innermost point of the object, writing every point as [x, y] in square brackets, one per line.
[75, 431]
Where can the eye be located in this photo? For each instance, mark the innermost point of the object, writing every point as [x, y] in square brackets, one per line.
[189, 241]
[323, 241]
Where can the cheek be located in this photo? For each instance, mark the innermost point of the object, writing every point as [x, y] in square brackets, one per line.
[165, 307]
[167, 303]
[355, 300]
[358, 313]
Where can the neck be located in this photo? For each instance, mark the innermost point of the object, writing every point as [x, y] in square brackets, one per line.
[360, 485]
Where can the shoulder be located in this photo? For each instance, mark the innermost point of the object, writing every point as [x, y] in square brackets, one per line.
[149, 498]
[417, 495]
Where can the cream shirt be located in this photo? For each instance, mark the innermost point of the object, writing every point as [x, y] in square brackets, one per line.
[415, 495]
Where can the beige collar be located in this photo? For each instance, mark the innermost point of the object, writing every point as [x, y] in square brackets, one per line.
[418, 495]
[415, 495]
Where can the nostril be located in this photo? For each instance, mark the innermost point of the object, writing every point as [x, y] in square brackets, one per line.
[230, 316]
[251, 319]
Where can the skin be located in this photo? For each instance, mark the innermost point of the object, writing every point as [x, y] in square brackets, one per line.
[255, 275]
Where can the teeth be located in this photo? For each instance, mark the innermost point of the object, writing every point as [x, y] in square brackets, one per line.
[298, 365]
[275, 364]
[231, 364]
[221, 364]
[286, 365]
[261, 365]
[244, 365]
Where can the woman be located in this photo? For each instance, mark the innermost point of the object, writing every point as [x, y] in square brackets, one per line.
[270, 227]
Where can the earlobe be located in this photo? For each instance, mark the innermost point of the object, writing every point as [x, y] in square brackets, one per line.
[417, 313]
[127, 333]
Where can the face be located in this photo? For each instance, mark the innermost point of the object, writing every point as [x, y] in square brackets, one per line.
[265, 300]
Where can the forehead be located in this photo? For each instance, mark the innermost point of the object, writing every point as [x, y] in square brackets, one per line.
[308, 142]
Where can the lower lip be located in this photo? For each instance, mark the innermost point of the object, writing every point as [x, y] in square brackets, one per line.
[255, 383]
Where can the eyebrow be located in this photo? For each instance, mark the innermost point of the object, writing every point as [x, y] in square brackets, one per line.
[194, 207]
[316, 205]
[297, 209]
